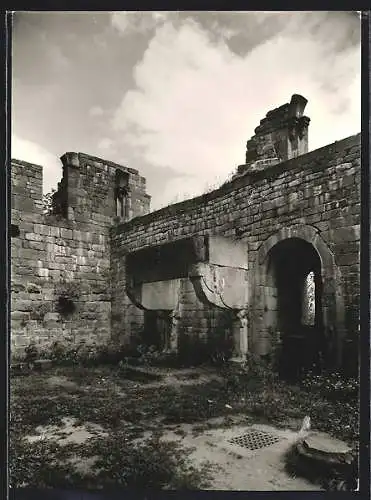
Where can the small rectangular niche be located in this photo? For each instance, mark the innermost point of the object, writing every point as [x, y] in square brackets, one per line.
[14, 230]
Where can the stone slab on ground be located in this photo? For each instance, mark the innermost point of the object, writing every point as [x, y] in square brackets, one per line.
[323, 442]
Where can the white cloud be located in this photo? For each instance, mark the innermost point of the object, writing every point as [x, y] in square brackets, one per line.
[131, 22]
[181, 188]
[105, 143]
[96, 111]
[31, 152]
[177, 189]
[197, 102]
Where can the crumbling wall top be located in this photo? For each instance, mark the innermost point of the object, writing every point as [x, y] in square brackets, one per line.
[76, 160]
[280, 136]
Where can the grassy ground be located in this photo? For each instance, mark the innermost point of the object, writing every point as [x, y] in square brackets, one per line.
[126, 409]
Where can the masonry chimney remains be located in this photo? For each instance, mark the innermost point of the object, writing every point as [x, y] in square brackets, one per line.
[280, 136]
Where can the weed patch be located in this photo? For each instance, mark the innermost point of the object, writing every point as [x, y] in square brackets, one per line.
[118, 462]
[125, 409]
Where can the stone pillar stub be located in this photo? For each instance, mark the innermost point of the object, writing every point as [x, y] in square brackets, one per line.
[174, 337]
[240, 335]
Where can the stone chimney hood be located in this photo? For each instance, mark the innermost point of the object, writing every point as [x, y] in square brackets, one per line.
[297, 106]
[217, 266]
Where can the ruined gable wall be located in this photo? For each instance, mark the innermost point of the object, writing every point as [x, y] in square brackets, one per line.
[54, 255]
[321, 188]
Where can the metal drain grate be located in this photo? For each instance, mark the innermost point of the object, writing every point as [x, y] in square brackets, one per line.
[254, 440]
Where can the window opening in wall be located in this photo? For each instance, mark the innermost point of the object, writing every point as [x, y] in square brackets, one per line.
[121, 193]
[119, 206]
[309, 300]
[122, 204]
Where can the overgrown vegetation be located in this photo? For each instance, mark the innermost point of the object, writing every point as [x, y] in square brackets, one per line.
[39, 311]
[102, 391]
[93, 354]
[68, 293]
[151, 464]
[117, 462]
[72, 353]
[332, 385]
[330, 399]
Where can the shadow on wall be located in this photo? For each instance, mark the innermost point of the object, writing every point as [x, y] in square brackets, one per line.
[192, 350]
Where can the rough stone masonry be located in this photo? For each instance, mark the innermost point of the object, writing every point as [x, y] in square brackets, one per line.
[230, 264]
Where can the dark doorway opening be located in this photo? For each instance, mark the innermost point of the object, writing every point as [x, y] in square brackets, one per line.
[157, 325]
[294, 274]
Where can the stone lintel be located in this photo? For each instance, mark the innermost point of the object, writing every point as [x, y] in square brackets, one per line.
[161, 295]
[156, 296]
[216, 265]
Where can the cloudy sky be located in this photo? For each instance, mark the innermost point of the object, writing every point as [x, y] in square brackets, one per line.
[176, 95]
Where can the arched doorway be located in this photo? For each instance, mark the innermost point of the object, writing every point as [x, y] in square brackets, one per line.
[294, 307]
[296, 294]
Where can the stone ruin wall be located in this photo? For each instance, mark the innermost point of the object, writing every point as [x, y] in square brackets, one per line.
[320, 189]
[54, 255]
[84, 244]
[281, 135]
